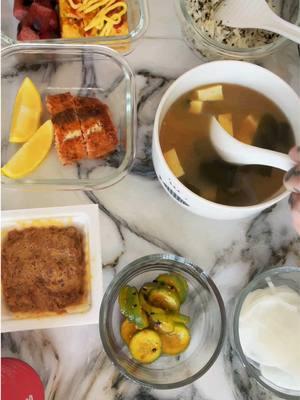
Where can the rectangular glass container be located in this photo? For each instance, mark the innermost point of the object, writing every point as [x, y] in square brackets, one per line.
[89, 70]
[137, 15]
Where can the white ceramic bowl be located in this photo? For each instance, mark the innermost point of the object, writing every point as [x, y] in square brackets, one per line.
[234, 72]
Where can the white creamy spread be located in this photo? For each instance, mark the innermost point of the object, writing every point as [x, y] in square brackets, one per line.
[269, 329]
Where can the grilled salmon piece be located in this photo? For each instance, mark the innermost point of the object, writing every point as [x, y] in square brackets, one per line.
[99, 132]
[69, 141]
[59, 102]
[83, 127]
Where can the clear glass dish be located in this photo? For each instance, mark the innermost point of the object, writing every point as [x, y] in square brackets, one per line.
[204, 305]
[89, 70]
[138, 19]
[208, 48]
[289, 276]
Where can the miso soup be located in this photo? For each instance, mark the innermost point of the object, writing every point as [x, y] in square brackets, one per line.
[244, 113]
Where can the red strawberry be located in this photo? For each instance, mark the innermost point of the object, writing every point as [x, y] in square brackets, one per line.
[45, 3]
[20, 11]
[42, 19]
[27, 33]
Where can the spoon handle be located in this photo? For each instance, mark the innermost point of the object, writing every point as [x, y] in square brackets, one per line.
[236, 152]
[270, 158]
[284, 28]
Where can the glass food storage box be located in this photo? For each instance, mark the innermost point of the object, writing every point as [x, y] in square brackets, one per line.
[90, 70]
[137, 18]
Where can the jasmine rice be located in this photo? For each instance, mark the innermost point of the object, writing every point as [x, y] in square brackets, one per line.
[203, 12]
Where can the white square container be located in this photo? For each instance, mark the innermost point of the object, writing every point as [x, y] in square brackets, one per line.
[86, 218]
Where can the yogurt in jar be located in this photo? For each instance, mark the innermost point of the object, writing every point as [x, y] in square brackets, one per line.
[269, 329]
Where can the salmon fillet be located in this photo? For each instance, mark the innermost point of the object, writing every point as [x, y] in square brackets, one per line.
[83, 127]
[69, 141]
[99, 132]
[59, 102]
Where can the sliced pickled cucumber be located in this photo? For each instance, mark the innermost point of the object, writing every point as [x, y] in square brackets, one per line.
[145, 346]
[128, 329]
[131, 308]
[164, 297]
[177, 341]
[147, 307]
[177, 282]
[124, 295]
[180, 318]
[165, 323]
[162, 323]
[147, 287]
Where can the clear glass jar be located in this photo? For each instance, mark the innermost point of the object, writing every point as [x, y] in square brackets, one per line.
[138, 19]
[289, 276]
[207, 48]
[82, 70]
[204, 305]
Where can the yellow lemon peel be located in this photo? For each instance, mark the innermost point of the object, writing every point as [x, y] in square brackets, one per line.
[31, 154]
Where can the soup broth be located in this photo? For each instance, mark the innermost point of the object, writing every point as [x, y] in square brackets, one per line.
[247, 115]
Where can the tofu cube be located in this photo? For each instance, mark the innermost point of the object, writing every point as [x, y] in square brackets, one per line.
[212, 93]
[226, 122]
[174, 163]
[196, 107]
[247, 130]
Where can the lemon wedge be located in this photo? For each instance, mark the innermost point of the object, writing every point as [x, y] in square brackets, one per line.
[31, 154]
[26, 113]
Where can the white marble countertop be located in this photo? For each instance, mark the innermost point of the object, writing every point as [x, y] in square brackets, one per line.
[137, 218]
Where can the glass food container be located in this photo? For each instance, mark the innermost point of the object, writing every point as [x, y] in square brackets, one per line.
[204, 306]
[287, 276]
[138, 19]
[89, 70]
[208, 48]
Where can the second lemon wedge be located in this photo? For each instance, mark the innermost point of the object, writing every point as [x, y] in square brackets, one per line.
[31, 154]
[26, 113]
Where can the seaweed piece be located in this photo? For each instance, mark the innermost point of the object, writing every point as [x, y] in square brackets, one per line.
[266, 135]
[273, 135]
[219, 172]
[286, 138]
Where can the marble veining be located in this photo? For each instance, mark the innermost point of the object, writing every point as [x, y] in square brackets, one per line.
[138, 218]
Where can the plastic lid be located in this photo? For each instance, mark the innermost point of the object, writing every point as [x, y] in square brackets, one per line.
[19, 381]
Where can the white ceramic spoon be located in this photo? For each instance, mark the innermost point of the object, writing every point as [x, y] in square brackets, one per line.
[236, 152]
[256, 14]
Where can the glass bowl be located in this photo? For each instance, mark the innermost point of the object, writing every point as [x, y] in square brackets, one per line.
[209, 49]
[138, 19]
[204, 305]
[289, 276]
[89, 70]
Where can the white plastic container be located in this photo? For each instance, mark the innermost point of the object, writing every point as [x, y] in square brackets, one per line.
[86, 219]
[234, 72]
